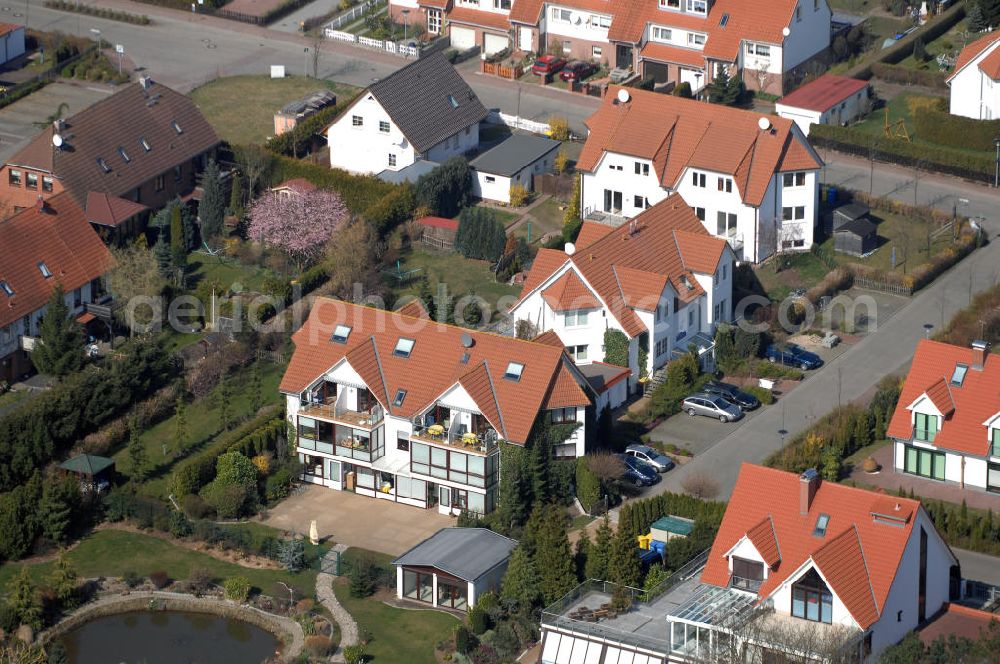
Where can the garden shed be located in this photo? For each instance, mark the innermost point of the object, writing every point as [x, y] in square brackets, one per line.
[856, 237]
[848, 213]
[93, 470]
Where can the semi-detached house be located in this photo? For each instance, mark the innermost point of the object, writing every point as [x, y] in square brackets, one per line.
[772, 45]
[751, 179]
[395, 406]
[975, 80]
[661, 280]
[946, 425]
[801, 570]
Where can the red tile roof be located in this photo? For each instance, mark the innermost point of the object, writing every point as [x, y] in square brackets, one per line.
[966, 407]
[109, 210]
[673, 54]
[591, 232]
[414, 308]
[433, 367]
[990, 65]
[858, 556]
[568, 292]
[298, 185]
[526, 11]
[549, 338]
[956, 620]
[824, 93]
[439, 222]
[677, 134]
[59, 236]
[479, 18]
[629, 267]
[566, 391]
[973, 51]
[762, 538]
[7, 28]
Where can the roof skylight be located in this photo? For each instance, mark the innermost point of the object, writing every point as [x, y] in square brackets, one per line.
[145, 144]
[123, 154]
[398, 401]
[514, 371]
[103, 164]
[452, 101]
[5, 287]
[176, 127]
[958, 377]
[44, 269]
[340, 334]
[403, 347]
[822, 521]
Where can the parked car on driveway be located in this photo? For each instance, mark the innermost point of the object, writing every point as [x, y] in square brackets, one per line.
[793, 355]
[660, 462]
[638, 472]
[731, 393]
[711, 405]
[577, 70]
[547, 64]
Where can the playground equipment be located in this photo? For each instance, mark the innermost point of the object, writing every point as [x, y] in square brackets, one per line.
[895, 129]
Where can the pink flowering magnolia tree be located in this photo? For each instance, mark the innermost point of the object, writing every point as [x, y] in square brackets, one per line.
[299, 225]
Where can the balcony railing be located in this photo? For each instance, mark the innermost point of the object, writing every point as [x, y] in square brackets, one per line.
[368, 419]
[924, 435]
[467, 442]
[753, 585]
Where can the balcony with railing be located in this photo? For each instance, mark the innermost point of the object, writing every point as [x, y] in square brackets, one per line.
[456, 437]
[335, 412]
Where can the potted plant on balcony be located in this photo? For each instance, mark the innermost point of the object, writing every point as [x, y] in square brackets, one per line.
[870, 465]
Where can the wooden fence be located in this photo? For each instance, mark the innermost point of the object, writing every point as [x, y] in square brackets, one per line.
[510, 72]
[882, 285]
[560, 186]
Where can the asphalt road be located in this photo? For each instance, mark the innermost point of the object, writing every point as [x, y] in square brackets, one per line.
[978, 566]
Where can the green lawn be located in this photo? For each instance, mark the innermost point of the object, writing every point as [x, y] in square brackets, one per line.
[242, 108]
[548, 219]
[458, 273]
[227, 272]
[800, 270]
[111, 553]
[899, 109]
[398, 636]
[202, 426]
[950, 43]
[11, 397]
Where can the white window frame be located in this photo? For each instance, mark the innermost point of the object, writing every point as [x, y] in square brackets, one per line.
[357, 121]
[434, 21]
[697, 7]
[659, 33]
[696, 39]
[759, 50]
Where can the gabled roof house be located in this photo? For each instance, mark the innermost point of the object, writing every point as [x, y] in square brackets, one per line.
[947, 421]
[751, 179]
[661, 279]
[48, 244]
[399, 407]
[975, 81]
[800, 567]
[424, 111]
[145, 143]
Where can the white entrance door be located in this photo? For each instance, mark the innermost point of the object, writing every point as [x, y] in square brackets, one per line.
[494, 43]
[524, 38]
[462, 38]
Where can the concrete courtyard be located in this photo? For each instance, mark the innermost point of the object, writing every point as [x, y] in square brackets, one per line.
[354, 520]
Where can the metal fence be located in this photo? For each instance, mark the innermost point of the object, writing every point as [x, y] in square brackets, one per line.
[882, 285]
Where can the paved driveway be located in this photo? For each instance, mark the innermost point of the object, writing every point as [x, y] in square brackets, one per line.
[17, 121]
[355, 520]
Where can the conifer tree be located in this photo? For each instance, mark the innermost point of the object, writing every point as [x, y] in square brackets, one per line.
[599, 553]
[212, 209]
[225, 405]
[180, 425]
[623, 563]
[61, 349]
[554, 557]
[62, 580]
[55, 510]
[136, 452]
[521, 583]
[21, 600]
[178, 246]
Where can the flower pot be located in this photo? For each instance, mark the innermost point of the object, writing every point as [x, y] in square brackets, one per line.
[870, 465]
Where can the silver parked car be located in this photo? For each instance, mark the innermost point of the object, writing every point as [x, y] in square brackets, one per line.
[711, 405]
[645, 453]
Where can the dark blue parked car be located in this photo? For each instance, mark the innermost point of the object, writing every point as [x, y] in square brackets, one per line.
[794, 356]
[639, 472]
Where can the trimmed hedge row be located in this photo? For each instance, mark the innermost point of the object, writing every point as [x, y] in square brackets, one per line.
[254, 437]
[941, 159]
[298, 140]
[99, 12]
[955, 131]
[908, 76]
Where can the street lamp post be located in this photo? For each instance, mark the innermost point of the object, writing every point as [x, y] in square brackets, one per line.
[97, 35]
[305, 62]
[405, 13]
[782, 433]
[996, 171]
[927, 330]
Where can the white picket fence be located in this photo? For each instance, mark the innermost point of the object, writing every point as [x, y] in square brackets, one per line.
[378, 44]
[353, 14]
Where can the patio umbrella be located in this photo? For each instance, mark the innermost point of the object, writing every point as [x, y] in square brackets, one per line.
[313, 533]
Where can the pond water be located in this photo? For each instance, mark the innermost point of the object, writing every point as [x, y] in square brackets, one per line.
[168, 637]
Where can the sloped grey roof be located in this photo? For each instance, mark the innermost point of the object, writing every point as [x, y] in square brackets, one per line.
[465, 553]
[513, 154]
[860, 227]
[410, 173]
[419, 97]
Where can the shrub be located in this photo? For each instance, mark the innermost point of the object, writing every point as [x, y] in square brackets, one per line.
[200, 580]
[179, 524]
[700, 486]
[463, 639]
[588, 486]
[196, 507]
[480, 234]
[318, 646]
[237, 588]
[159, 579]
[561, 163]
[131, 579]
[519, 195]
[228, 500]
[763, 395]
[354, 654]
[363, 577]
[559, 127]
[447, 188]
[478, 620]
[278, 485]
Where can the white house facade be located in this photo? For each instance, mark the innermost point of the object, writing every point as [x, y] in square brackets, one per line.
[424, 111]
[831, 100]
[397, 407]
[975, 81]
[661, 280]
[751, 180]
[946, 426]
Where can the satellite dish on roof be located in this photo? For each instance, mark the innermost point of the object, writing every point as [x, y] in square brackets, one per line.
[467, 341]
[786, 31]
[764, 124]
[57, 140]
[570, 248]
[623, 96]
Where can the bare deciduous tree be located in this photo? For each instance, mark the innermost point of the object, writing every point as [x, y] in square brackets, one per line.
[700, 486]
[606, 466]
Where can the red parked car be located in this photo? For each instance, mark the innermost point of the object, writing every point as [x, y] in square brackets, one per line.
[577, 70]
[547, 64]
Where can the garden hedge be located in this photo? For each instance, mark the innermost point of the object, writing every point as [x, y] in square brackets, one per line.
[955, 131]
[909, 76]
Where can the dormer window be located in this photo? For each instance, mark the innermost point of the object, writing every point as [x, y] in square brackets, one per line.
[514, 371]
[747, 574]
[925, 427]
[403, 347]
[7, 290]
[822, 521]
[995, 441]
[340, 334]
[958, 376]
[44, 269]
[697, 6]
[811, 599]
[670, 4]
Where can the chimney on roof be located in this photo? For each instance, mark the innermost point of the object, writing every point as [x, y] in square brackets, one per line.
[146, 82]
[41, 205]
[808, 485]
[979, 350]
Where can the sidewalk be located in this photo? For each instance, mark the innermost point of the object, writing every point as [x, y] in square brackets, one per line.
[326, 597]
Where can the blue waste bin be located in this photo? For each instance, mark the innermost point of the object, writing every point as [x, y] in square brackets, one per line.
[831, 195]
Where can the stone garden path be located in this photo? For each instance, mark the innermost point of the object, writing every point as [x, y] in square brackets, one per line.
[324, 593]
